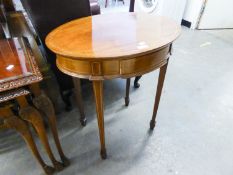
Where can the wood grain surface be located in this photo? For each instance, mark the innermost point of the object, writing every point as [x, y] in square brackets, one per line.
[112, 35]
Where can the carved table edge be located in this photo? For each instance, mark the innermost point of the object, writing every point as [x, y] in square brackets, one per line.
[12, 94]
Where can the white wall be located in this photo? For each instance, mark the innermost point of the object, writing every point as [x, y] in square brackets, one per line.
[217, 14]
[192, 11]
[174, 9]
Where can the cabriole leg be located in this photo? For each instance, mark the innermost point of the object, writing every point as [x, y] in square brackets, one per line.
[44, 105]
[13, 122]
[33, 116]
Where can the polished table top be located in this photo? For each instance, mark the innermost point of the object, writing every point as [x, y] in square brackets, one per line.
[112, 35]
[13, 63]
[17, 64]
[113, 45]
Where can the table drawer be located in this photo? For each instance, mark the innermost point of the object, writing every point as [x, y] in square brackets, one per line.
[144, 63]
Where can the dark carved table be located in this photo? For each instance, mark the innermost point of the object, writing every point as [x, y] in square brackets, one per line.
[19, 76]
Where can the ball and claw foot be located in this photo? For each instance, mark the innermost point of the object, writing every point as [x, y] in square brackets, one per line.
[83, 121]
[65, 162]
[152, 124]
[136, 85]
[126, 101]
[48, 170]
[58, 166]
[103, 154]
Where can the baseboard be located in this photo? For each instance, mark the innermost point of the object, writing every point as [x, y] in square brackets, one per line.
[186, 23]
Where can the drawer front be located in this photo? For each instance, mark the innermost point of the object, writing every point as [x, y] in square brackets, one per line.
[144, 63]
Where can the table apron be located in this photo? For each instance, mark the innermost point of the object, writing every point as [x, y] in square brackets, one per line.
[109, 69]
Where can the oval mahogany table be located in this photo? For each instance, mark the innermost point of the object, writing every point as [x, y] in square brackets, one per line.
[111, 46]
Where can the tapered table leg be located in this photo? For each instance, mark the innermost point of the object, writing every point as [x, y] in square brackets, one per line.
[45, 106]
[127, 92]
[78, 94]
[98, 91]
[13, 122]
[33, 116]
[162, 74]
